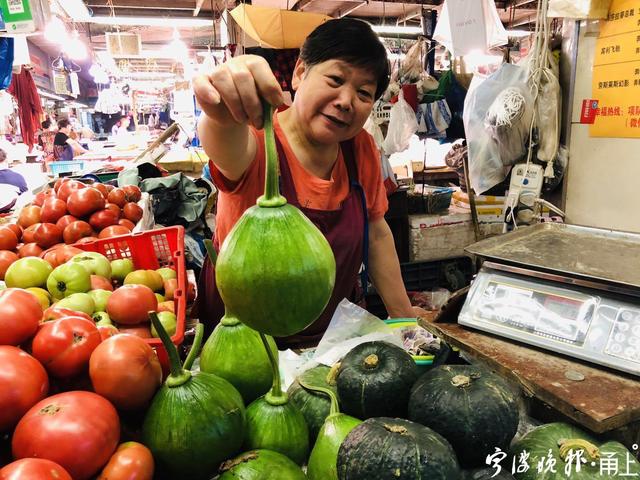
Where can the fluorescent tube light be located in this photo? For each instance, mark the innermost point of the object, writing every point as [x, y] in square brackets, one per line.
[179, 22]
[76, 9]
[397, 30]
[52, 96]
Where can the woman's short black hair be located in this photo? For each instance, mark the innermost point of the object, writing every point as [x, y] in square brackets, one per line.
[63, 123]
[352, 41]
[46, 124]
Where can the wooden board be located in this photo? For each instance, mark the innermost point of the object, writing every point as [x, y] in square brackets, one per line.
[603, 401]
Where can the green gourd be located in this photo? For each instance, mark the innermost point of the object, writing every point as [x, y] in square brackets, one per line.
[274, 423]
[261, 465]
[275, 270]
[315, 406]
[235, 353]
[565, 443]
[196, 420]
[474, 409]
[323, 460]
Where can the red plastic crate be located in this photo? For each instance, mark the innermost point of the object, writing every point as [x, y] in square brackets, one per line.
[151, 250]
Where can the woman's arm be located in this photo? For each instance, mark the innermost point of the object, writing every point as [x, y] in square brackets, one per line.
[77, 148]
[384, 270]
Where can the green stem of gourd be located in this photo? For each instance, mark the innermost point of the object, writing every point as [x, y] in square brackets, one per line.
[178, 375]
[211, 252]
[228, 321]
[195, 347]
[275, 396]
[271, 197]
[335, 407]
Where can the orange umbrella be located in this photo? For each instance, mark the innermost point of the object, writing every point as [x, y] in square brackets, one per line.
[275, 28]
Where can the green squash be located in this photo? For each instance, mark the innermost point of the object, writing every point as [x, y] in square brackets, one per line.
[396, 449]
[261, 465]
[273, 423]
[323, 460]
[235, 353]
[474, 409]
[314, 406]
[277, 258]
[566, 442]
[196, 420]
[487, 474]
[375, 379]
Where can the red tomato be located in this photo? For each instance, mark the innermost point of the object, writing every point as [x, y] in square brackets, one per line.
[20, 313]
[133, 212]
[59, 182]
[170, 286]
[114, 231]
[28, 233]
[102, 188]
[131, 304]
[66, 220]
[100, 283]
[107, 331]
[65, 346]
[34, 469]
[28, 216]
[54, 313]
[103, 219]
[30, 250]
[68, 187]
[17, 229]
[132, 193]
[23, 383]
[132, 461]
[86, 240]
[8, 239]
[56, 256]
[42, 196]
[125, 370]
[75, 231]
[167, 306]
[126, 223]
[85, 201]
[141, 330]
[114, 208]
[191, 292]
[78, 430]
[52, 210]
[118, 197]
[47, 235]
[6, 259]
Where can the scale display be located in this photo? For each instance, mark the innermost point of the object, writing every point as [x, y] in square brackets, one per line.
[590, 325]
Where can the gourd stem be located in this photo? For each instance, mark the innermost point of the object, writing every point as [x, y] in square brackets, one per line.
[335, 408]
[178, 375]
[271, 197]
[195, 347]
[228, 321]
[211, 252]
[276, 388]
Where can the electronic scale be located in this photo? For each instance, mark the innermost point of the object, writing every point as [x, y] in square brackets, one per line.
[571, 290]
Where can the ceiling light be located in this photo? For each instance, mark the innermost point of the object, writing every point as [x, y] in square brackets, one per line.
[76, 49]
[152, 21]
[76, 9]
[56, 31]
[397, 30]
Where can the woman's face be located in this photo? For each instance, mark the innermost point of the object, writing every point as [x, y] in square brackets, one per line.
[333, 100]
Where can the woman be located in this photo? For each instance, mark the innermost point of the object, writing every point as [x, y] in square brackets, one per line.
[329, 166]
[64, 147]
[12, 184]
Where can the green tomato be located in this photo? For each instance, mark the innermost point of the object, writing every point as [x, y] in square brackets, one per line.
[167, 273]
[80, 302]
[168, 321]
[42, 295]
[100, 297]
[102, 319]
[95, 263]
[120, 268]
[28, 272]
[67, 279]
[160, 298]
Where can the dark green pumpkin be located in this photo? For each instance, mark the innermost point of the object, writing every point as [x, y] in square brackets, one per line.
[566, 441]
[314, 406]
[235, 353]
[488, 474]
[375, 379]
[261, 465]
[396, 449]
[195, 421]
[276, 270]
[474, 409]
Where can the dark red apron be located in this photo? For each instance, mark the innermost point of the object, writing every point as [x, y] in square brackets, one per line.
[347, 231]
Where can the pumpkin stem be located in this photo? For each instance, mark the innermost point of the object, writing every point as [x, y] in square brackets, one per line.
[461, 381]
[332, 376]
[271, 197]
[211, 252]
[335, 408]
[395, 429]
[178, 375]
[574, 444]
[275, 396]
[195, 347]
[371, 361]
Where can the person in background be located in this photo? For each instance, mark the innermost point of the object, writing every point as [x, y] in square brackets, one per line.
[45, 140]
[65, 148]
[12, 184]
[121, 126]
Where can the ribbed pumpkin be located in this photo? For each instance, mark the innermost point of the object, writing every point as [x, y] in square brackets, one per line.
[565, 442]
[314, 406]
[261, 465]
[375, 380]
[196, 420]
[275, 270]
[274, 423]
[396, 449]
[488, 474]
[474, 409]
[235, 353]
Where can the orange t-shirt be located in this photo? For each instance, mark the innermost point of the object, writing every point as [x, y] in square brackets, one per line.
[313, 192]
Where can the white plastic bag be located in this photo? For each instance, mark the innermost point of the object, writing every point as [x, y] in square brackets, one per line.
[468, 25]
[579, 9]
[402, 126]
[371, 126]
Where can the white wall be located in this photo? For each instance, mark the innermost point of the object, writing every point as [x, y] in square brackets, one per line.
[603, 181]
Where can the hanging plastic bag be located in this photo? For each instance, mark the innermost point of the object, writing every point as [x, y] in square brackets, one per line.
[371, 126]
[402, 125]
[579, 9]
[412, 64]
